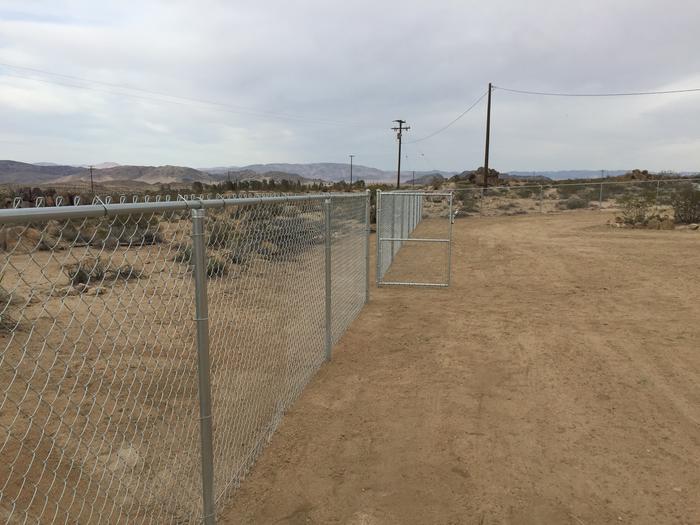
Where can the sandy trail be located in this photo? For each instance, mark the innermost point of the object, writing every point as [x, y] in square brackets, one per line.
[556, 381]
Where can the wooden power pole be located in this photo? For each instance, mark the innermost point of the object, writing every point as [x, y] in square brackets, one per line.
[399, 134]
[488, 138]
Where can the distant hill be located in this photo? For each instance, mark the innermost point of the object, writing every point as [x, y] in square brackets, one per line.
[426, 180]
[327, 171]
[277, 176]
[330, 171]
[567, 174]
[146, 174]
[525, 178]
[13, 172]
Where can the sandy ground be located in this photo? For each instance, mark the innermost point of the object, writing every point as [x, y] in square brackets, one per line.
[556, 381]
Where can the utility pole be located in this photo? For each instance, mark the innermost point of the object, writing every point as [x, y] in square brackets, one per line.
[488, 138]
[351, 156]
[399, 134]
[92, 184]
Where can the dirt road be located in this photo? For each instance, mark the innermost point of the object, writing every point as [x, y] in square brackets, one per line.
[556, 381]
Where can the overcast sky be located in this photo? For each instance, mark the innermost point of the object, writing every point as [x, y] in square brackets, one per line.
[340, 72]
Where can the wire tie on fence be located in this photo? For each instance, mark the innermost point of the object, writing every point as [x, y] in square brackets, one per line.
[201, 318]
[202, 418]
[183, 199]
[104, 206]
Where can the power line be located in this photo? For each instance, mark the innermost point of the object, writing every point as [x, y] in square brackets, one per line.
[180, 100]
[628, 94]
[451, 122]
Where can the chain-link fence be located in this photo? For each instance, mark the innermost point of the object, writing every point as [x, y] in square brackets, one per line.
[148, 351]
[613, 196]
[414, 231]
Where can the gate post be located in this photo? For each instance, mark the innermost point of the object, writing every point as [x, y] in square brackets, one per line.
[449, 245]
[367, 230]
[379, 234]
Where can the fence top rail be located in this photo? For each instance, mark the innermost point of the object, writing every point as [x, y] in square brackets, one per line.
[585, 183]
[419, 193]
[24, 215]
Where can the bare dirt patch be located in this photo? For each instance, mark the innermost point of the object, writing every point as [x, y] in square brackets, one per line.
[556, 381]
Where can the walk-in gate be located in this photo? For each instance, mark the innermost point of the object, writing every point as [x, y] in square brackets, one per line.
[414, 238]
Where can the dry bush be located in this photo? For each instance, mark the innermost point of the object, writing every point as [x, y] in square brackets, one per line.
[636, 209]
[686, 205]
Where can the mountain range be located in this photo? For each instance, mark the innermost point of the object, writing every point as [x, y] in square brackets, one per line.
[43, 173]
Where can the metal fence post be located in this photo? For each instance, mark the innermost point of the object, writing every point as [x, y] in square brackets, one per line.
[656, 201]
[367, 231]
[481, 202]
[378, 205]
[329, 232]
[199, 261]
[541, 198]
[600, 198]
[449, 246]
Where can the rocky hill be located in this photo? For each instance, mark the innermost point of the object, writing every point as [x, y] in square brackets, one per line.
[13, 172]
[146, 174]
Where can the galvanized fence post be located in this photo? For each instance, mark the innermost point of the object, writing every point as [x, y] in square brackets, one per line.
[329, 233]
[367, 231]
[449, 245]
[600, 198]
[379, 233]
[541, 197]
[199, 261]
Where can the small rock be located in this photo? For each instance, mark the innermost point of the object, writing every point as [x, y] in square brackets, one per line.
[127, 457]
[694, 226]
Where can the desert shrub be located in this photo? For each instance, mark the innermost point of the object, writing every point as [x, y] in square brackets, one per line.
[636, 208]
[8, 301]
[686, 205]
[507, 206]
[86, 271]
[183, 254]
[575, 203]
[125, 272]
[223, 232]
[215, 267]
[469, 202]
[526, 193]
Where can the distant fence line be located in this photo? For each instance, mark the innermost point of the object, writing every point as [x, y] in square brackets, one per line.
[148, 351]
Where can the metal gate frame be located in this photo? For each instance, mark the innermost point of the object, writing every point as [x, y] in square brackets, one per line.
[409, 218]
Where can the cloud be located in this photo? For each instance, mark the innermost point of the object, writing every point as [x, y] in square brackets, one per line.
[358, 65]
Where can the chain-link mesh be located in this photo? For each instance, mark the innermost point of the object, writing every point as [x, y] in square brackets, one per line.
[398, 215]
[99, 410]
[413, 238]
